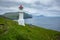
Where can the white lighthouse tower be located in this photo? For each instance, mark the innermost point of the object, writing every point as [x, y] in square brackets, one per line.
[21, 15]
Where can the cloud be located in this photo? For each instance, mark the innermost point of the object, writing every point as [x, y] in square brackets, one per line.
[46, 2]
[7, 4]
[27, 1]
[35, 7]
[8, 0]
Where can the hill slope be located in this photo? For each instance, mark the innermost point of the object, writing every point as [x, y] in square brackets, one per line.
[10, 30]
[15, 15]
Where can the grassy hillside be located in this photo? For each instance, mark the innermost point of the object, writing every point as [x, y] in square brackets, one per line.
[10, 30]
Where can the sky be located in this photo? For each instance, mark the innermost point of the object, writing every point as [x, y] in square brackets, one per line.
[34, 7]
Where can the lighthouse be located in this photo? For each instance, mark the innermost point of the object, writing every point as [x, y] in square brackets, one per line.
[21, 15]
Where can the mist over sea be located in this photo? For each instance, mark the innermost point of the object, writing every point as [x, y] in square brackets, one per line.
[45, 22]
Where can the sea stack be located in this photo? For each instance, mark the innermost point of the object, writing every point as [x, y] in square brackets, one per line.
[21, 16]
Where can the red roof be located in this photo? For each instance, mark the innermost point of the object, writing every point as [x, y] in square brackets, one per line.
[21, 7]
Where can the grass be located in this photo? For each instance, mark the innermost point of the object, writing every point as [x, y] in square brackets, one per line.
[18, 32]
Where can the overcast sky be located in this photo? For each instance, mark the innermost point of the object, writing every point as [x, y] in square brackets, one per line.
[35, 7]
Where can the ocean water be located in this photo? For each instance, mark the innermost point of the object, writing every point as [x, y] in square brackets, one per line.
[52, 23]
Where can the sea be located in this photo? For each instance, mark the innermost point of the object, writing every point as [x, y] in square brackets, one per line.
[52, 23]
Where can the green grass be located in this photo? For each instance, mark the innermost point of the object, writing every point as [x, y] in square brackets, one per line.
[18, 32]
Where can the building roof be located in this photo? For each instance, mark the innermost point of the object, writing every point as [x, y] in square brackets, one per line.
[21, 7]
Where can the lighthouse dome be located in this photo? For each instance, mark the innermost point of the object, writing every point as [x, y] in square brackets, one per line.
[21, 7]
